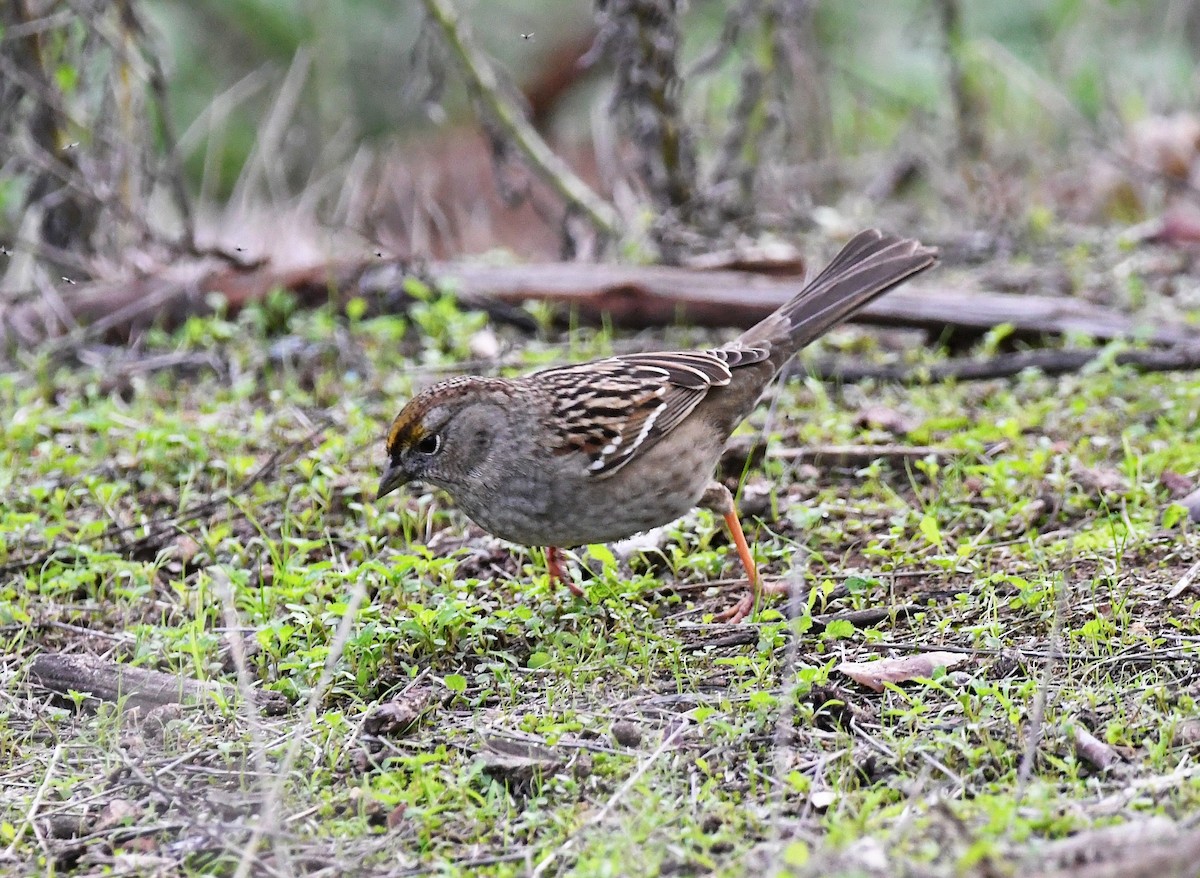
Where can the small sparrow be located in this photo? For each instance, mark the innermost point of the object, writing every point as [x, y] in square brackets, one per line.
[599, 451]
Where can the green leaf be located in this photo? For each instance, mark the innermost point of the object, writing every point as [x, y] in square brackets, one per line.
[798, 781]
[539, 660]
[857, 584]
[417, 289]
[1173, 515]
[796, 854]
[931, 531]
[761, 700]
[67, 78]
[839, 629]
[995, 336]
[455, 683]
[604, 555]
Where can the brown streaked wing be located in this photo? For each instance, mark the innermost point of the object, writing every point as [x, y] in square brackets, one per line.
[620, 406]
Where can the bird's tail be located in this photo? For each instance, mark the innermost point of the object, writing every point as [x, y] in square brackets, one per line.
[872, 263]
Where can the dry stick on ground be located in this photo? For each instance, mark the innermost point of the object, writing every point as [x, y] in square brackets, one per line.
[1185, 581]
[651, 296]
[136, 687]
[1038, 713]
[1092, 750]
[1050, 362]
[484, 83]
[1155, 847]
[862, 455]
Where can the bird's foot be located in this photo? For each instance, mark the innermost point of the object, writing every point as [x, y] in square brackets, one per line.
[745, 604]
[738, 611]
[559, 575]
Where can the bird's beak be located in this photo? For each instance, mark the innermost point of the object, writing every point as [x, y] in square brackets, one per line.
[393, 477]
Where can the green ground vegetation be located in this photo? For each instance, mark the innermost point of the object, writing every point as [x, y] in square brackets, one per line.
[622, 733]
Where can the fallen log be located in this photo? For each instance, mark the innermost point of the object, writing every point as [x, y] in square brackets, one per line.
[632, 297]
[637, 297]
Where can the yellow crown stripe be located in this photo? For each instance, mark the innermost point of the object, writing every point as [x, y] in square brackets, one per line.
[406, 430]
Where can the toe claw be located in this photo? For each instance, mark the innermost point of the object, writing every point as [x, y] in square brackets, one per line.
[738, 611]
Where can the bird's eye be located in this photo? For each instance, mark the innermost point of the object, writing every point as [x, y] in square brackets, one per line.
[430, 444]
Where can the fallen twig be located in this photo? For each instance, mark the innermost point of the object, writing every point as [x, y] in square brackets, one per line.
[1050, 362]
[1092, 750]
[861, 455]
[138, 687]
[1185, 581]
[1149, 848]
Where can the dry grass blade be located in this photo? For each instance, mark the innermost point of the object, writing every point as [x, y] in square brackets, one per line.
[599, 816]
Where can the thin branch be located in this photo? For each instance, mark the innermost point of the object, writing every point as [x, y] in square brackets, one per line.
[484, 83]
[1048, 362]
[967, 116]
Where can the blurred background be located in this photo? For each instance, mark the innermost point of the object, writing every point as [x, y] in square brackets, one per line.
[137, 133]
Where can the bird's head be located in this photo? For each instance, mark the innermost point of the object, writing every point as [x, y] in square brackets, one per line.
[444, 433]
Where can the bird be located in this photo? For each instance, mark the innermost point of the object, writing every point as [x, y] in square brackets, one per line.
[596, 452]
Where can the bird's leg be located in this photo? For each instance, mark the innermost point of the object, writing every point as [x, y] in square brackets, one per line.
[719, 500]
[558, 571]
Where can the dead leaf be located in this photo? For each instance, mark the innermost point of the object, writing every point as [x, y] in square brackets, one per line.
[1177, 484]
[517, 763]
[875, 674]
[396, 815]
[115, 813]
[1099, 479]
[883, 417]
[821, 799]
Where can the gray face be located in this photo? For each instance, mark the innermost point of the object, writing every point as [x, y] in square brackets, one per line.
[443, 445]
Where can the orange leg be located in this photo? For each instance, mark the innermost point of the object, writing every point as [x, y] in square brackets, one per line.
[558, 571]
[718, 499]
